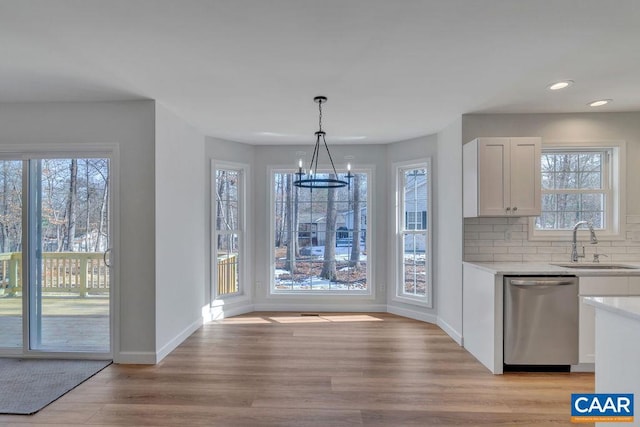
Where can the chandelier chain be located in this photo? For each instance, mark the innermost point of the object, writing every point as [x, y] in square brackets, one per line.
[320, 116]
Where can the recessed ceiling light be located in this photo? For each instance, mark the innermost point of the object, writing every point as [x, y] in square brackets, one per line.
[560, 85]
[600, 102]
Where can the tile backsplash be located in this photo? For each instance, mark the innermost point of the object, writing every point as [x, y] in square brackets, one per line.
[507, 239]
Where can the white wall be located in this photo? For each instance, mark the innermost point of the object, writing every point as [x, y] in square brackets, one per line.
[180, 221]
[501, 239]
[130, 125]
[403, 151]
[285, 156]
[448, 230]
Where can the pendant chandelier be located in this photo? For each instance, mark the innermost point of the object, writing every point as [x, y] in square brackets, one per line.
[311, 179]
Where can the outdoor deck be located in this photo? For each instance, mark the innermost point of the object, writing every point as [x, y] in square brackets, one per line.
[68, 323]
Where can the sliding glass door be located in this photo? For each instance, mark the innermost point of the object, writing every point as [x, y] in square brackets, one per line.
[56, 279]
[11, 304]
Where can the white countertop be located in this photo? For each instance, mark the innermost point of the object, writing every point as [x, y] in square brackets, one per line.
[624, 306]
[542, 268]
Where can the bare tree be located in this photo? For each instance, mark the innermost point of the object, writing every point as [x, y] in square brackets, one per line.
[329, 266]
[291, 223]
[72, 207]
[354, 258]
[221, 179]
[280, 210]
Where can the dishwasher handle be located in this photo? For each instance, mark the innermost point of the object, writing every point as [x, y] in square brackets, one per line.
[541, 282]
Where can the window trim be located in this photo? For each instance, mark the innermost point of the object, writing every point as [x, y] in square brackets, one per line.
[615, 208]
[399, 231]
[370, 292]
[244, 291]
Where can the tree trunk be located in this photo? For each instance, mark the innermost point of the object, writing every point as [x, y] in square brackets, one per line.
[221, 177]
[88, 232]
[104, 216]
[6, 244]
[329, 267]
[279, 210]
[72, 205]
[354, 259]
[291, 221]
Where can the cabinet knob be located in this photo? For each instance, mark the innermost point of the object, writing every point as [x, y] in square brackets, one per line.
[515, 208]
[508, 209]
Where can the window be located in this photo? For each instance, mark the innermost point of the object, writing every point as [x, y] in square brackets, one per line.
[414, 240]
[320, 237]
[580, 183]
[227, 237]
[416, 220]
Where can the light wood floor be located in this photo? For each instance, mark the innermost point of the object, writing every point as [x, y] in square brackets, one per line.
[284, 369]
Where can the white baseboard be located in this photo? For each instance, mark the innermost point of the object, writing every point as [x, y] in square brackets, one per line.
[222, 311]
[324, 308]
[135, 358]
[455, 335]
[413, 314]
[584, 367]
[177, 340]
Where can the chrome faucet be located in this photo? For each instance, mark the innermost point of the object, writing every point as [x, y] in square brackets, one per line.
[574, 243]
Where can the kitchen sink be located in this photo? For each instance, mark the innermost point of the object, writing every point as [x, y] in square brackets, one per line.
[598, 266]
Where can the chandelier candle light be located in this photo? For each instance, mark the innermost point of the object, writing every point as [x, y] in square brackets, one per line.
[311, 180]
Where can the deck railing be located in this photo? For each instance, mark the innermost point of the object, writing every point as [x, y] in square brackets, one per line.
[227, 274]
[62, 272]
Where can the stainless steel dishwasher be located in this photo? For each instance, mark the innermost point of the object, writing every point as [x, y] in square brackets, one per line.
[541, 320]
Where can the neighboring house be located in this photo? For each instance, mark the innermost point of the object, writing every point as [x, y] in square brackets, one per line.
[415, 215]
[314, 233]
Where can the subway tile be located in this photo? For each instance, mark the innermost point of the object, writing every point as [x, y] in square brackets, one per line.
[490, 235]
[612, 250]
[537, 243]
[519, 235]
[470, 236]
[625, 257]
[470, 249]
[479, 257]
[478, 227]
[493, 250]
[560, 257]
[507, 243]
[627, 243]
[519, 220]
[507, 258]
[523, 250]
[508, 227]
[494, 220]
[478, 242]
[537, 258]
[553, 250]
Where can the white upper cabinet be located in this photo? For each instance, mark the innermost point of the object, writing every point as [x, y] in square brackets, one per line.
[502, 177]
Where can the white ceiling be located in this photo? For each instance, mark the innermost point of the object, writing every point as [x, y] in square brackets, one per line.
[247, 70]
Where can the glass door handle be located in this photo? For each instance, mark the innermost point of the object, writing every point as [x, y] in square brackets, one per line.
[105, 257]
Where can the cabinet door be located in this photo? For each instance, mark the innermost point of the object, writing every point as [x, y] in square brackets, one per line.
[634, 285]
[493, 173]
[525, 176]
[587, 333]
[595, 286]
